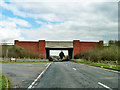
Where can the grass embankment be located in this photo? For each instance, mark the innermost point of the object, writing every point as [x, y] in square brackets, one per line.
[100, 53]
[4, 82]
[24, 61]
[103, 56]
[116, 67]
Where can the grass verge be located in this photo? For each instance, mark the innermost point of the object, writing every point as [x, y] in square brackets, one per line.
[98, 65]
[2, 61]
[4, 82]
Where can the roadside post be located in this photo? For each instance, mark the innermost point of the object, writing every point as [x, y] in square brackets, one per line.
[7, 53]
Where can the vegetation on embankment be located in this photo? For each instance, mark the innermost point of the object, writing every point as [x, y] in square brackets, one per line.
[101, 54]
[17, 52]
[2, 61]
[115, 67]
[4, 83]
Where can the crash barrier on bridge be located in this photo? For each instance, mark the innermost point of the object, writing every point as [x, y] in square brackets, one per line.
[14, 59]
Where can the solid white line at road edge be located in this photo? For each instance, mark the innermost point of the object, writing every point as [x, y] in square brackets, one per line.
[104, 86]
[38, 77]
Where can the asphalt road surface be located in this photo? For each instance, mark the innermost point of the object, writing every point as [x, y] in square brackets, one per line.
[22, 75]
[60, 75]
[74, 75]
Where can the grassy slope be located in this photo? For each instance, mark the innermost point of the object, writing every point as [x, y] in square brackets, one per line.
[97, 64]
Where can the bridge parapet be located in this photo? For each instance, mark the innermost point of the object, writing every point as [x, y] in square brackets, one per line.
[59, 44]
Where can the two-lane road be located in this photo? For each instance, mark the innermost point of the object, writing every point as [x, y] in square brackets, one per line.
[73, 75]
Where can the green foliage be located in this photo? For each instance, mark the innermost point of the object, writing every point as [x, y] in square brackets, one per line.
[3, 82]
[100, 53]
[17, 52]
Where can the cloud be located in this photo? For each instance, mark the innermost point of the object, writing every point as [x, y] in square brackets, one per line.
[9, 30]
[19, 22]
[12, 22]
[9, 35]
[84, 21]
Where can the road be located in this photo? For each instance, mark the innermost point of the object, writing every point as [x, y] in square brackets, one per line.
[60, 75]
[22, 75]
[73, 75]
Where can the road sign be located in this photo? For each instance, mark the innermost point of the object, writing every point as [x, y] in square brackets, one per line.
[7, 50]
[7, 53]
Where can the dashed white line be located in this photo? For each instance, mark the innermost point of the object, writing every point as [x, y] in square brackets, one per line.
[74, 68]
[104, 86]
[102, 68]
[32, 85]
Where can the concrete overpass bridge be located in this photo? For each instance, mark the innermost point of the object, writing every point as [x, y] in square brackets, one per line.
[43, 47]
[59, 45]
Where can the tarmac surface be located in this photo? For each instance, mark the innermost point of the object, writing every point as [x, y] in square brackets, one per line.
[74, 75]
[60, 75]
[22, 75]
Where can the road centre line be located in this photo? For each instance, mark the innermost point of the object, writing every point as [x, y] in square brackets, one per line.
[74, 68]
[32, 85]
[104, 86]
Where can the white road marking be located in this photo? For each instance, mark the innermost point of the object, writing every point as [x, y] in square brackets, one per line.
[32, 85]
[105, 69]
[74, 69]
[110, 70]
[104, 86]
[100, 68]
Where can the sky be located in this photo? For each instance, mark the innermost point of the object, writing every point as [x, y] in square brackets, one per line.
[68, 20]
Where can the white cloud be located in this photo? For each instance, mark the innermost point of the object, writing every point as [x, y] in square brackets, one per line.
[19, 22]
[84, 21]
[12, 22]
[39, 22]
[9, 31]
[10, 34]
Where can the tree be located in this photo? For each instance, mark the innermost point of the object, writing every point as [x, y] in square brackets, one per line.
[61, 55]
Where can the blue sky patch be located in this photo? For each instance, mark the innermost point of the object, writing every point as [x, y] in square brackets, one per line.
[32, 21]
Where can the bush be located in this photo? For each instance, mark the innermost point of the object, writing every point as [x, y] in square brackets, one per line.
[17, 52]
[100, 53]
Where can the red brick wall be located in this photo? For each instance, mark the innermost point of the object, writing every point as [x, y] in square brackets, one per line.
[42, 49]
[39, 47]
[33, 47]
[79, 47]
[76, 47]
[29, 46]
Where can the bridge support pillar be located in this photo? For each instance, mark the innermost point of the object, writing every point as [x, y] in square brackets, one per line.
[70, 53]
[76, 47]
[42, 49]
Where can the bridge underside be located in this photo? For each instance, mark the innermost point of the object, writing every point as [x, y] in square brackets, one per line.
[70, 51]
